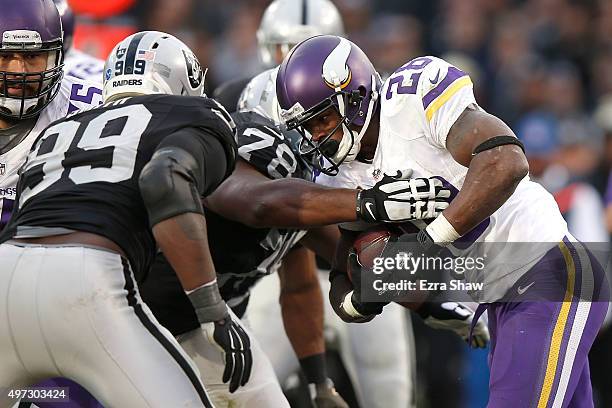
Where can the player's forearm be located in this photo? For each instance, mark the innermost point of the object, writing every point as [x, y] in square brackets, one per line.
[293, 203]
[183, 240]
[303, 320]
[301, 303]
[491, 179]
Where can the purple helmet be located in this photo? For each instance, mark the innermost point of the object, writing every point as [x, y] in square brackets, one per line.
[29, 27]
[67, 17]
[322, 72]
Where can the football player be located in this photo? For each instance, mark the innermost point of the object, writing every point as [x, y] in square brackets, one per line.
[98, 191]
[77, 63]
[384, 372]
[25, 61]
[283, 25]
[251, 235]
[33, 89]
[425, 117]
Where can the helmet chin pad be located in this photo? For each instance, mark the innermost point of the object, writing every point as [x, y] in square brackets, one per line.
[330, 147]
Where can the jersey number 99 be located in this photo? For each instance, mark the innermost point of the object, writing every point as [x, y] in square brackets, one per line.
[103, 150]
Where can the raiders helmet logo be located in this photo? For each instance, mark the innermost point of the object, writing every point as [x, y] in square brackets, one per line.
[121, 52]
[194, 69]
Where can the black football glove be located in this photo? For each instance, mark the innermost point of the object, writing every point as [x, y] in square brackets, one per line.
[232, 340]
[399, 198]
[366, 309]
[339, 290]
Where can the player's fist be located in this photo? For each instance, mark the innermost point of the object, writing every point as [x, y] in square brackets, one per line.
[400, 198]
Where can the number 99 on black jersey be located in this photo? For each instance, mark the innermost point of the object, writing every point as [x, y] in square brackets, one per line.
[82, 172]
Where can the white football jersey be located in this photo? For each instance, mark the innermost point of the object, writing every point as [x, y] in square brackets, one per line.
[419, 103]
[84, 66]
[74, 94]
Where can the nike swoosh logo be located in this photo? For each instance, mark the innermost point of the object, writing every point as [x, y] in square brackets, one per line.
[435, 80]
[368, 205]
[523, 289]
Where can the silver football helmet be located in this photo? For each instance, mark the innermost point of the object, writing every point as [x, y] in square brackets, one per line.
[260, 96]
[152, 62]
[288, 22]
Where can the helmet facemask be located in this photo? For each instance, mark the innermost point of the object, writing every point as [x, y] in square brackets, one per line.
[38, 88]
[328, 154]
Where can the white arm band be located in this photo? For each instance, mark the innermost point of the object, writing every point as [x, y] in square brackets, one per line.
[347, 306]
[441, 231]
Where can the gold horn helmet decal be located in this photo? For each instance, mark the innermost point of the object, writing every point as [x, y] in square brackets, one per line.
[336, 72]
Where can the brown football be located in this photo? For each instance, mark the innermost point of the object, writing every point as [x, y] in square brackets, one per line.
[371, 243]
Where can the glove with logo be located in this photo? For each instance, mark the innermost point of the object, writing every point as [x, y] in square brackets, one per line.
[457, 317]
[399, 198]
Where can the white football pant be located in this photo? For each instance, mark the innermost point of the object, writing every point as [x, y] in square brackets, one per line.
[72, 311]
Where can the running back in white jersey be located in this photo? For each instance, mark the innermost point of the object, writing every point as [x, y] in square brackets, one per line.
[74, 94]
[84, 66]
[420, 102]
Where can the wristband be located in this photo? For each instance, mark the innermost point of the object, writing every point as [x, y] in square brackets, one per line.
[314, 368]
[347, 306]
[441, 231]
[207, 302]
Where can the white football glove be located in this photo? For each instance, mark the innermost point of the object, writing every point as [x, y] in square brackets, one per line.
[399, 198]
[456, 317]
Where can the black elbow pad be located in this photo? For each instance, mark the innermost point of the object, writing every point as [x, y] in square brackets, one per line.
[169, 184]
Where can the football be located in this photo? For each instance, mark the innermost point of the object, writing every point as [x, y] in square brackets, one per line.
[371, 243]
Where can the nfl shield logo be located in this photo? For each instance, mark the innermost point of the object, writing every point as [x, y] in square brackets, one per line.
[2, 169]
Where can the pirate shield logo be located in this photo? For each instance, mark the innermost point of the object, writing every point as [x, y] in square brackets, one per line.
[194, 69]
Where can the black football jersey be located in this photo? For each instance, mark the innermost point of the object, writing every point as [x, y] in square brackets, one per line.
[228, 93]
[82, 172]
[241, 254]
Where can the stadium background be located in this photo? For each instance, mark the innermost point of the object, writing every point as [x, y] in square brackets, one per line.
[541, 65]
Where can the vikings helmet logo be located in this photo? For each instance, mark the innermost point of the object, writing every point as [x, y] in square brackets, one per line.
[336, 72]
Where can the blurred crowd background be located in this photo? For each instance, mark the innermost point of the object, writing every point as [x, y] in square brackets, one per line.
[543, 66]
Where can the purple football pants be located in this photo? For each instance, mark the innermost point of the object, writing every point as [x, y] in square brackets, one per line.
[541, 336]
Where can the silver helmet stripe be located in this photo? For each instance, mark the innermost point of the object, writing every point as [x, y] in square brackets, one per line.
[304, 12]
